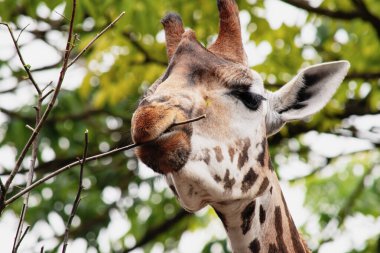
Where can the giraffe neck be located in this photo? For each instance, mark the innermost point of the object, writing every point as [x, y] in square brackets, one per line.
[261, 225]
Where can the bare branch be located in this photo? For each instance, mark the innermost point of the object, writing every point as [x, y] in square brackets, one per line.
[61, 15]
[19, 35]
[50, 83]
[47, 67]
[366, 15]
[77, 198]
[361, 12]
[26, 66]
[363, 75]
[94, 39]
[71, 165]
[2, 188]
[30, 128]
[77, 116]
[322, 11]
[19, 237]
[46, 95]
[18, 231]
[51, 103]
[22, 238]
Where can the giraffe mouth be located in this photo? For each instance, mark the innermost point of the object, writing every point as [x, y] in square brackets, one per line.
[169, 152]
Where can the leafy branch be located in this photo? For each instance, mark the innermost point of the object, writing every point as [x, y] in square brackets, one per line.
[348, 205]
[361, 12]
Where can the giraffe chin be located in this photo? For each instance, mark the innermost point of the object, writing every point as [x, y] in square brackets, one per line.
[168, 153]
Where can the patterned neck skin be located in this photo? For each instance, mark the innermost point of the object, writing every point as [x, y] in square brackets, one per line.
[248, 200]
[263, 224]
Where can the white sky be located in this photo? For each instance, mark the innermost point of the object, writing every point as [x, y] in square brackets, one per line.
[357, 228]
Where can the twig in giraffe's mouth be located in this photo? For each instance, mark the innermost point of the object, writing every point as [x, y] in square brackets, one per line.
[188, 121]
[170, 128]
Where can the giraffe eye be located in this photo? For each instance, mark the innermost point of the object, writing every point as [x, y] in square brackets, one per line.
[251, 100]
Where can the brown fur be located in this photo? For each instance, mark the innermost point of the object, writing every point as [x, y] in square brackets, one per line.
[167, 153]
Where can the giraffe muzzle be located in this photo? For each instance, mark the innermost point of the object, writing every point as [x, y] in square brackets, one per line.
[166, 148]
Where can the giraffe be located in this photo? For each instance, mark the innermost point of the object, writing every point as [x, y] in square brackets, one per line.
[224, 161]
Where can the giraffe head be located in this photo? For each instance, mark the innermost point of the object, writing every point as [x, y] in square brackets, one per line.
[223, 157]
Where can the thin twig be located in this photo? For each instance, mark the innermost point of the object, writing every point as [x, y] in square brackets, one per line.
[77, 198]
[189, 121]
[71, 165]
[26, 66]
[2, 196]
[19, 238]
[51, 103]
[94, 39]
[2, 188]
[22, 238]
[19, 35]
[30, 128]
[47, 94]
[18, 231]
[47, 86]
[42, 249]
[344, 15]
[63, 16]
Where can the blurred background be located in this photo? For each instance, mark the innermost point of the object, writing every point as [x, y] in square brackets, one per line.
[329, 165]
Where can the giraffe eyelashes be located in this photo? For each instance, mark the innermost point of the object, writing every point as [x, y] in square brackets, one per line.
[251, 100]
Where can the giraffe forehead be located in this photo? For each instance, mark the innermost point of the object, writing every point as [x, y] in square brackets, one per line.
[193, 64]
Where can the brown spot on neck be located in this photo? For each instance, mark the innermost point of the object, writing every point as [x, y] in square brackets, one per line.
[263, 186]
[262, 155]
[273, 248]
[228, 182]
[231, 152]
[254, 246]
[262, 214]
[279, 230]
[217, 178]
[247, 217]
[298, 244]
[218, 153]
[248, 180]
[243, 156]
[206, 156]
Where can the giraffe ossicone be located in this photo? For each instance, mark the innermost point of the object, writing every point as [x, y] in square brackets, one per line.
[223, 160]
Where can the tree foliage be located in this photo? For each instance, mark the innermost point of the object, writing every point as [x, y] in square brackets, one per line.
[101, 92]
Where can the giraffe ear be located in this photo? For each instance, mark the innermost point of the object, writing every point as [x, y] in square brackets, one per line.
[305, 94]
